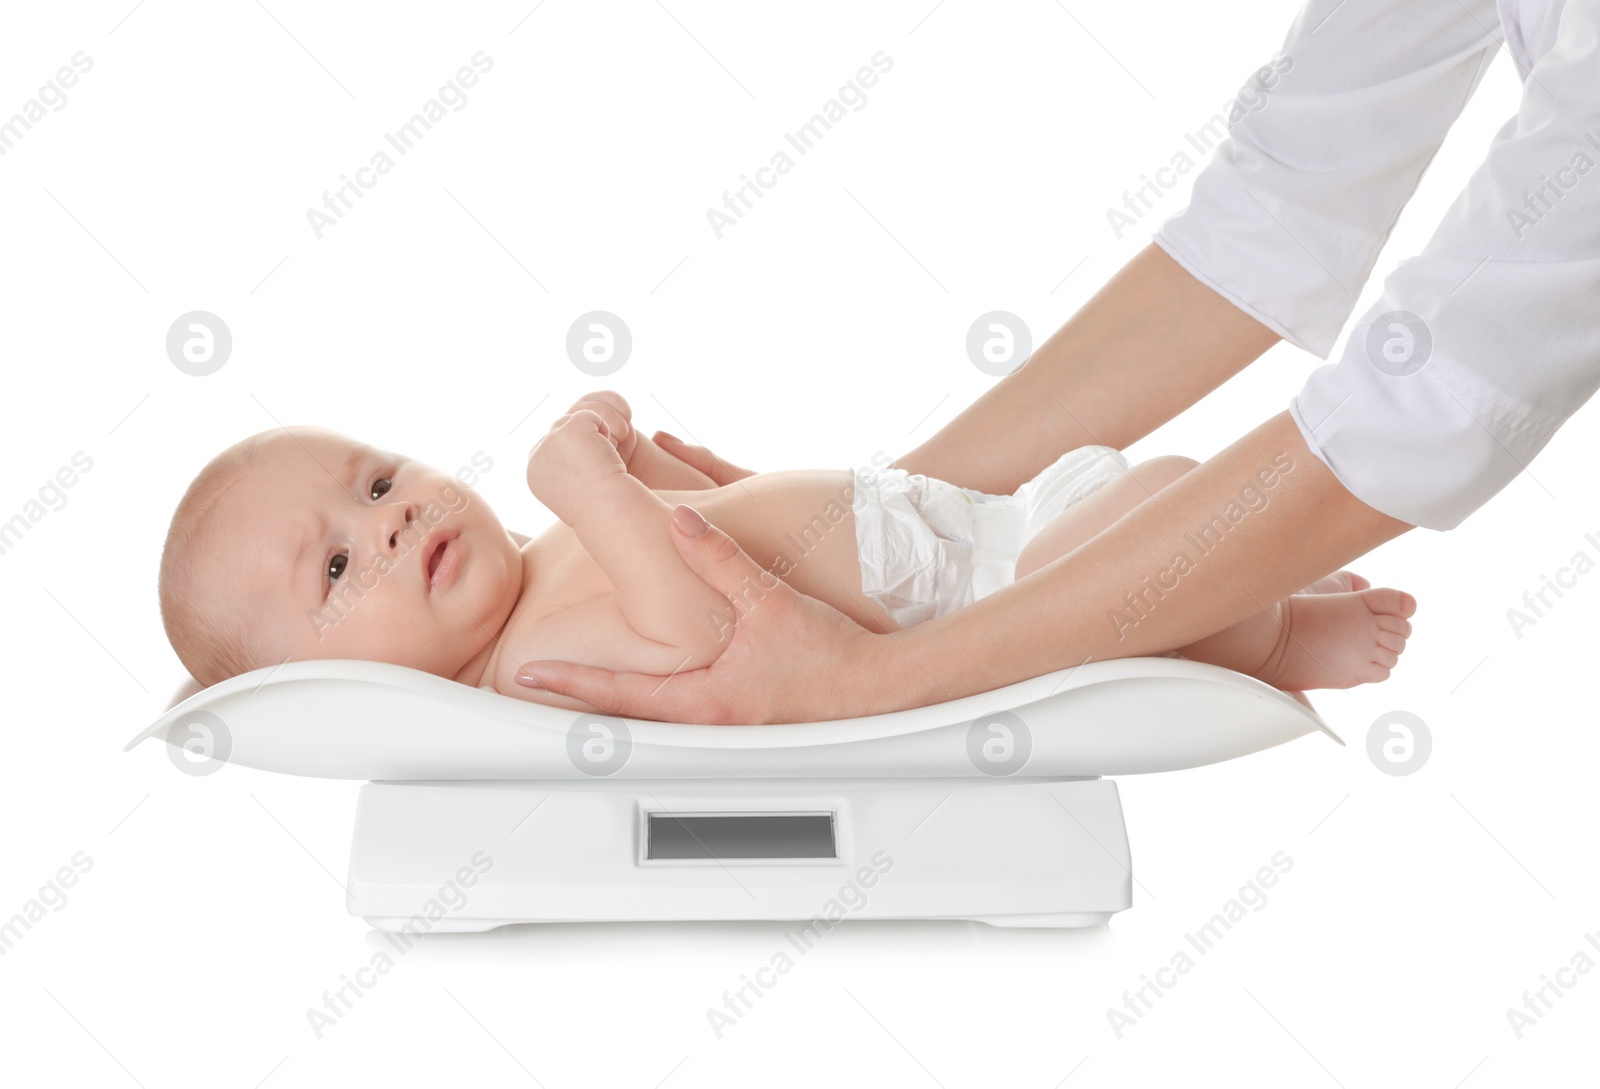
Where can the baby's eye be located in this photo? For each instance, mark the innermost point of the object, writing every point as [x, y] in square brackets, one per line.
[381, 486]
[336, 566]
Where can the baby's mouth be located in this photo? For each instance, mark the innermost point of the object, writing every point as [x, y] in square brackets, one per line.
[443, 559]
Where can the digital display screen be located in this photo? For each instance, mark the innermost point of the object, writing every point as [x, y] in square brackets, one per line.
[713, 836]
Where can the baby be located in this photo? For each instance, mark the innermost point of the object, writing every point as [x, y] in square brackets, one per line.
[300, 543]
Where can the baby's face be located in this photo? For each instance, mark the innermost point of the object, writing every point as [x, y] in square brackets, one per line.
[333, 549]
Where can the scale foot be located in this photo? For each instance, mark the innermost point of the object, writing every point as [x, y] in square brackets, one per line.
[1061, 919]
[408, 924]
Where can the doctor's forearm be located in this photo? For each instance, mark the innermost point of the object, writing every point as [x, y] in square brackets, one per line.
[1150, 343]
[1280, 537]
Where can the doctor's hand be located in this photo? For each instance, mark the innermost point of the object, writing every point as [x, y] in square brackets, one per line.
[791, 658]
[698, 457]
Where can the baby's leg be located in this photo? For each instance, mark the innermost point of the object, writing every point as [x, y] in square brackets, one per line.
[1324, 640]
[1099, 509]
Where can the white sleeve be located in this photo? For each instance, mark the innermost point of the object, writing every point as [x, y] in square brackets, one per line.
[1483, 345]
[1287, 219]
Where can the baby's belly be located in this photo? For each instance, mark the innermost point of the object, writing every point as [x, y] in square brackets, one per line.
[796, 523]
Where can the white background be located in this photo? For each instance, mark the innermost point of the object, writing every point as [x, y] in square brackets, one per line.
[828, 324]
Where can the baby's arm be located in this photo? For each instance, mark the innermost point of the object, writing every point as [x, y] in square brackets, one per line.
[578, 473]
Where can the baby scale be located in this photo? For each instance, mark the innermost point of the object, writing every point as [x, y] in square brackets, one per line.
[994, 807]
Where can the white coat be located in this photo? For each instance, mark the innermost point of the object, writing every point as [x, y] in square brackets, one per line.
[1482, 345]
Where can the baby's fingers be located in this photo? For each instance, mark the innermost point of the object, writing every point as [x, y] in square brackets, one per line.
[581, 420]
[608, 397]
[610, 407]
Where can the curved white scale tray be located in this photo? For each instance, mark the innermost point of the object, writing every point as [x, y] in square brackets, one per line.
[343, 719]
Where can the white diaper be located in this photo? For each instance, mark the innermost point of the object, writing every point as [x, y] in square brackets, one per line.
[928, 548]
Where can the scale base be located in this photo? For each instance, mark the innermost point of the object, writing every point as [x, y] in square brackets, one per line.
[450, 857]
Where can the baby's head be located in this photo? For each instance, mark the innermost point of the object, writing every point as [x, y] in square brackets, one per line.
[301, 543]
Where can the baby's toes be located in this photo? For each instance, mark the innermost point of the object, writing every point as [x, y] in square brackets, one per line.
[1388, 659]
[1389, 640]
[1399, 625]
[1385, 601]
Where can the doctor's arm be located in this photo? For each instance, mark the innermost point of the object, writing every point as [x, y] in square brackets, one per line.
[1152, 342]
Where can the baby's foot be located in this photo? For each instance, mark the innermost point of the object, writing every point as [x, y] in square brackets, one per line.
[1339, 640]
[1340, 582]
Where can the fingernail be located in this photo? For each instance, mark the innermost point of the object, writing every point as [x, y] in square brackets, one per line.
[670, 435]
[528, 677]
[1408, 601]
[688, 521]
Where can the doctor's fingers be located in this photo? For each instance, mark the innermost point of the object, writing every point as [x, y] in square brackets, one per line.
[625, 695]
[698, 457]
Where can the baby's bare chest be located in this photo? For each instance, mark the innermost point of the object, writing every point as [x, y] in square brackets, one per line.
[563, 574]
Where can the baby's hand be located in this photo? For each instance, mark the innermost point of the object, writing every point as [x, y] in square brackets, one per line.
[611, 407]
[570, 464]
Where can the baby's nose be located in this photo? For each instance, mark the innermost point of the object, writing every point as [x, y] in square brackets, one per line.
[407, 513]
